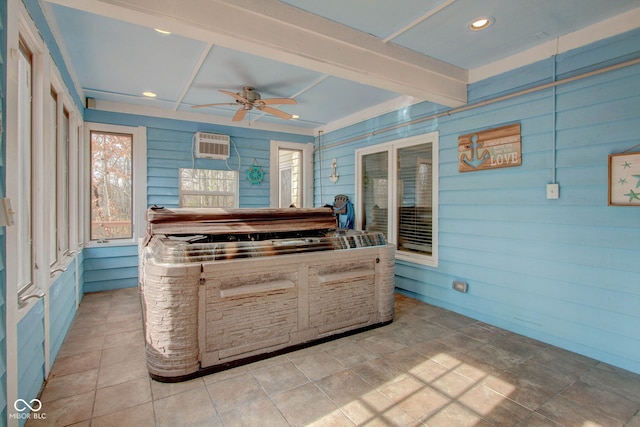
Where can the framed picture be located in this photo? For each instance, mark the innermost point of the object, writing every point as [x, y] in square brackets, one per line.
[624, 179]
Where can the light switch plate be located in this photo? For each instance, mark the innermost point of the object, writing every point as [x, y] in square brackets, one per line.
[6, 213]
[553, 191]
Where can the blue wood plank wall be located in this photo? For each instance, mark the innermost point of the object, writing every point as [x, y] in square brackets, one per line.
[62, 308]
[169, 150]
[110, 267]
[80, 271]
[562, 271]
[31, 353]
[31, 333]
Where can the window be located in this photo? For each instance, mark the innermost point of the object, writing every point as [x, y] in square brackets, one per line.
[19, 189]
[57, 158]
[80, 208]
[117, 196]
[64, 221]
[397, 195]
[51, 158]
[38, 180]
[207, 188]
[111, 185]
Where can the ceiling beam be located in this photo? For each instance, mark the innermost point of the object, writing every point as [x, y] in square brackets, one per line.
[275, 30]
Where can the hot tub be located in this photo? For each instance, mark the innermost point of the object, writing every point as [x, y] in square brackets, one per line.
[225, 287]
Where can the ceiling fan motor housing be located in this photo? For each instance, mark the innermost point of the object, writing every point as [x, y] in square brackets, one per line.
[249, 93]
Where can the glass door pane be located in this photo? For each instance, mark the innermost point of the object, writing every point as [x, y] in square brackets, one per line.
[290, 190]
[375, 192]
[415, 189]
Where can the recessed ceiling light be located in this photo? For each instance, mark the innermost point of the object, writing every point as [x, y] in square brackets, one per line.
[161, 31]
[481, 23]
[149, 94]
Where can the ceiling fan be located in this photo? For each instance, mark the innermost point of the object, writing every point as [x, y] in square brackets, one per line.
[249, 99]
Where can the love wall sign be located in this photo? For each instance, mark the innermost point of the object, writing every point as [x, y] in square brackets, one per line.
[490, 149]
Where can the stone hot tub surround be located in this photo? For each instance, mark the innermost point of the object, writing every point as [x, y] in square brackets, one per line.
[242, 300]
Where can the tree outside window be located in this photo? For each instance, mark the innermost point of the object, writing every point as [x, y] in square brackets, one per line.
[111, 185]
[208, 188]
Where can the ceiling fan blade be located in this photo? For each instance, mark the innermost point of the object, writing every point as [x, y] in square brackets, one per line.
[275, 112]
[239, 115]
[235, 95]
[278, 101]
[212, 105]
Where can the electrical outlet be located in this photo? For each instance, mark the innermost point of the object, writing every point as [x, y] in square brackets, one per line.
[553, 191]
[460, 286]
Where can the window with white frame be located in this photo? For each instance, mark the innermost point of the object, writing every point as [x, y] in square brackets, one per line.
[208, 188]
[19, 166]
[117, 199]
[64, 155]
[111, 185]
[397, 195]
[51, 173]
[38, 174]
[79, 206]
[57, 159]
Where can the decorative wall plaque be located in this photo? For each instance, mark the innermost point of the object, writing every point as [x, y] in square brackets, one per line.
[255, 174]
[624, 179]
[490, 149]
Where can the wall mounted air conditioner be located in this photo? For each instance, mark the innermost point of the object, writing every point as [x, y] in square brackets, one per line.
[212, 146]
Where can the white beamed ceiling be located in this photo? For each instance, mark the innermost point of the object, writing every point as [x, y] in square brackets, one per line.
[338, 61]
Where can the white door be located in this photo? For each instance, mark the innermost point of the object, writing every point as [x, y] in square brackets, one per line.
[291, 177]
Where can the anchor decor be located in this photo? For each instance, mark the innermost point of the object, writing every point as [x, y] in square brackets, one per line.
[490, 149]
[334, 175]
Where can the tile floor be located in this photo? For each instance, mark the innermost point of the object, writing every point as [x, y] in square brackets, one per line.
[430, 367]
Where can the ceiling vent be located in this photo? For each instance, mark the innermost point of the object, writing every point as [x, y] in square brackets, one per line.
[212, 146]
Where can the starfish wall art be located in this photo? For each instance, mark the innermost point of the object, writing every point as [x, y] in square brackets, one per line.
[624, 179]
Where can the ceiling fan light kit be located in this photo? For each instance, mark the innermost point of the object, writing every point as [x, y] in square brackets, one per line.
[250, 99]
